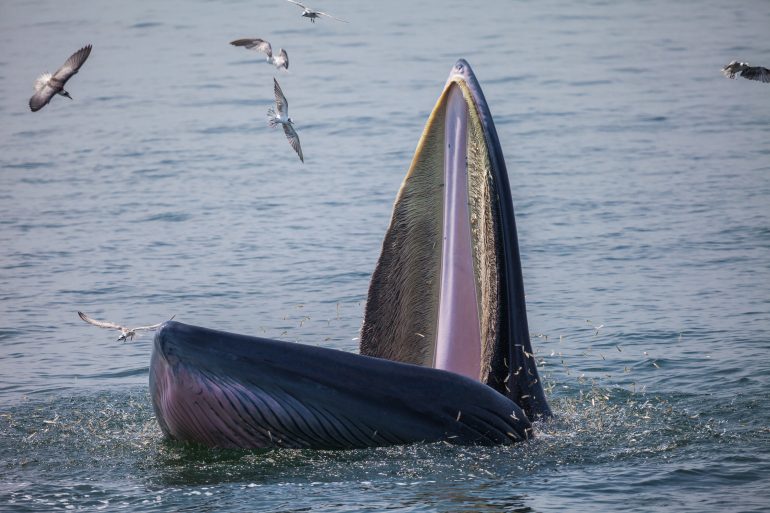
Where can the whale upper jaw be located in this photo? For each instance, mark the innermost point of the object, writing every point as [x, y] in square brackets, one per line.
[447, 291]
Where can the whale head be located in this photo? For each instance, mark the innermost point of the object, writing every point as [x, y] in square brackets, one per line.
[447, 291]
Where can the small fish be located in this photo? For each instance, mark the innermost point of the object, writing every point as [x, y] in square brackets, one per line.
[596, 328]
[53, 420]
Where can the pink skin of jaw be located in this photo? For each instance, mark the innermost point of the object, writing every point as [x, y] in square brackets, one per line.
[458, 336]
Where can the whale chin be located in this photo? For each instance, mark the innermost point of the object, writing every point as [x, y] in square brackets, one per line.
[445, 349]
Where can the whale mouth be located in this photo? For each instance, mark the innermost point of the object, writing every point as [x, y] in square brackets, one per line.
[445, 349]
[447, 291]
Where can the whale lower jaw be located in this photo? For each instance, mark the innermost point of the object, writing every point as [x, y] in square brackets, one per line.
[233, 391]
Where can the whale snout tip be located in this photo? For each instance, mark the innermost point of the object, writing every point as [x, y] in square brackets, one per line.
[166, 341]
[462, 68]
[164, 334]
[167, 329]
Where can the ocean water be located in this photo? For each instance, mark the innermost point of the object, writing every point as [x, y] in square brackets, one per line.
[640, 178]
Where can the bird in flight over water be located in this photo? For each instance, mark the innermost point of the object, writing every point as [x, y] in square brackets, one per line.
[279, 61]
[746, 71]
[125, 333]
[47, 85]
[281, 116]
[312, 13]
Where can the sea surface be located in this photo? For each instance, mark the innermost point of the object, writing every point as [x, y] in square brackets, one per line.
[640, 178]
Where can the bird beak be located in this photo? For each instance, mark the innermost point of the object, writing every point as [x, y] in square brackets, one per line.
[65, 93]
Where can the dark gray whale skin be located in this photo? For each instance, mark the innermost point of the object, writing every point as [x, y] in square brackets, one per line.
[235, 391]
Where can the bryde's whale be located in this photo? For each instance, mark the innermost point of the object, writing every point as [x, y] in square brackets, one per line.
[445, 353]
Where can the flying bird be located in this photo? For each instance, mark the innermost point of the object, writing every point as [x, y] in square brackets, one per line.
[312, 13]
[125, 333]
[47, 85]
[279, 61]
[281, 116]
[746, 71]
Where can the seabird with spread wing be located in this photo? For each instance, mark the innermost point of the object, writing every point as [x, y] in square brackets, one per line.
[312, 13]
[751, 72]
[125, 332]
[48, 85]
[280, 115]
[279, 61]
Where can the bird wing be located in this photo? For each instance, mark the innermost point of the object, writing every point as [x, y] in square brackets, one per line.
[101, 324]
[43, 95]
[756, 73]
[73, 64]
[42, 81]
[330, 16]
[293, 138]
[255, 44]
[297, 3]
[280, 100]
[282, 59]
[154, 326]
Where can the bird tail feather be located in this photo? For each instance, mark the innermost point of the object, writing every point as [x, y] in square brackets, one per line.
[271, 122]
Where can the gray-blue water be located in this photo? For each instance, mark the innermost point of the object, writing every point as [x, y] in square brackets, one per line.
[640, 177]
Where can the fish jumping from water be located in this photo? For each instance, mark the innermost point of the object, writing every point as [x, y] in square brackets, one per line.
[125, 332]
[312, 13]
[751, 72]
[47, 85]
[280, 116]
[279, 61]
